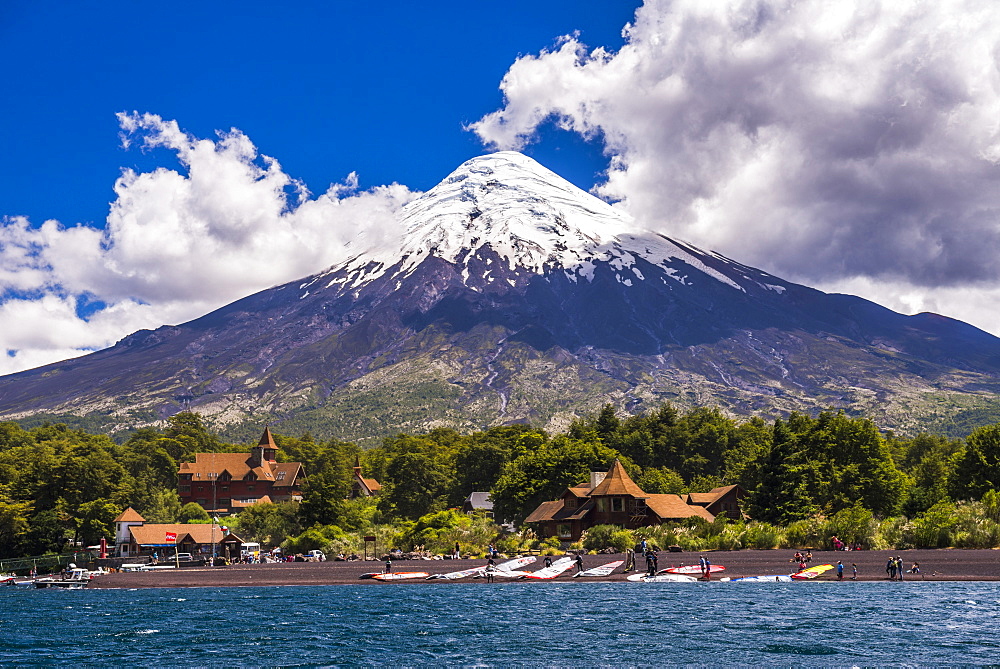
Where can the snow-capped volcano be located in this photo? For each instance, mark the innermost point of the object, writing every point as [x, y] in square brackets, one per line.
[534, 221]
[515, 296]
[528, 215]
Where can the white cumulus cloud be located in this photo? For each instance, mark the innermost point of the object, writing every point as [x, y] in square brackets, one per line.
[176, 245]
[851, 145]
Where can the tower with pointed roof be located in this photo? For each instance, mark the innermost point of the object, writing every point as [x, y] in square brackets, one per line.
[224, 483]
[363, 487]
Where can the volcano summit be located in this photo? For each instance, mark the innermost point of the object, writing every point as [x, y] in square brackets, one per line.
[515, 296]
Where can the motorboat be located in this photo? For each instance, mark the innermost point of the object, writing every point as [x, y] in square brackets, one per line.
[76, 579]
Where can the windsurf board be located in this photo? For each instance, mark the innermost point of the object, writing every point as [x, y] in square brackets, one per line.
[400, 575]
[812, 572]
[557, 568]
[693, 569]
[603, 570]
[661, 578]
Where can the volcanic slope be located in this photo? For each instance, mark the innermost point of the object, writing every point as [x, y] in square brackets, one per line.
[515, 296]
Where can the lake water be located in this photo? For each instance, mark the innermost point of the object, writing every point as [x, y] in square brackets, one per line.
[562, 624]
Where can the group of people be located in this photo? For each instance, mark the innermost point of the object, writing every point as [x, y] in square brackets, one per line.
[802, 559]
[839, 545]
[894, 568]
[840, 571]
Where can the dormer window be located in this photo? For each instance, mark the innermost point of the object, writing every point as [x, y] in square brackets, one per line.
[250, 477]
[225, 476]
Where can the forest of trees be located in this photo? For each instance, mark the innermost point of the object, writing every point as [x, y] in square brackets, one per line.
[805, 476]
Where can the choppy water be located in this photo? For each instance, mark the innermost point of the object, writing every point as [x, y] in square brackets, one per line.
[507, 623]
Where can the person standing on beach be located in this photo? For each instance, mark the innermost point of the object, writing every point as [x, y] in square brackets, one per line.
[579, 563]
[458, 553]
[890, 568]
[650, 569]
[388, 564]
[854, 568]
[491, 567]
[629, 560]
[899, 566]
[547, 562]
[840, 570]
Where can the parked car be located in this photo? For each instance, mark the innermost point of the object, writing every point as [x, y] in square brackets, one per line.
[318, 556]
[188, 560]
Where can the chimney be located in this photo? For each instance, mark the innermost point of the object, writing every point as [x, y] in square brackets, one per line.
[596, 478]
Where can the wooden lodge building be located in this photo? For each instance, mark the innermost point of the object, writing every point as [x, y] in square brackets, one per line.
[224, 483]
[615, 499]
[134, 537]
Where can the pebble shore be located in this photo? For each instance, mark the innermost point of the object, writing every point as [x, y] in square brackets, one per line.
[935, 565]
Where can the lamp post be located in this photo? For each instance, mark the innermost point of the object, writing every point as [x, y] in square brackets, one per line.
[215, 480]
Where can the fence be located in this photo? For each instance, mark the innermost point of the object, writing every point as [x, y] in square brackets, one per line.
[46, 563]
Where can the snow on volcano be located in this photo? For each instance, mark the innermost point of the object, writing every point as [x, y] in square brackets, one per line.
[537, 222]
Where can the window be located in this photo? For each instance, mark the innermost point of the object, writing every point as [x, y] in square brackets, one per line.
[225, 476]
[184, 489]
[601, 504]
[202, 501]
[570, 503]
[225, 488]
[251, 488]
[564, 531]
[250, 477]
[617, 504]
[280, 477]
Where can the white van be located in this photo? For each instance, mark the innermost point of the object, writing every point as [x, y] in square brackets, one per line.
[250, 549]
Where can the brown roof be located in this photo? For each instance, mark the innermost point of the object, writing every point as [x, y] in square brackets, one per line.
[372, 484]
[556, 510]
[673, 507]
[200, 533]
[129, 515]
[266, 440]
[579, 490]
[545, 511]
[206, 465]
[714, 495]
[618, 482]
[237, 504]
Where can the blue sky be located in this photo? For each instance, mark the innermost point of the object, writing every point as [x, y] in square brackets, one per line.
[852, 146]
[382, 89]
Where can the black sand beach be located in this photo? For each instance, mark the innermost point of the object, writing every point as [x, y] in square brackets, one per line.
[935, 565]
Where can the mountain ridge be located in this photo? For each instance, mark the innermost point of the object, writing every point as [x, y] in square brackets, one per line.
[514, 296]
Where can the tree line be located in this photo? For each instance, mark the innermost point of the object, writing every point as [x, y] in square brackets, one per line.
[60, 486]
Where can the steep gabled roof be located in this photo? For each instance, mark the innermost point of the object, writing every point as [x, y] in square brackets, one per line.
[480, 500]
[618, 482]
[129, 515]
[673, 507]
[579, 490]
[709, 498]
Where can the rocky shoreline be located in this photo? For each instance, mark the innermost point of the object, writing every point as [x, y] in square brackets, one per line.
[935, 565]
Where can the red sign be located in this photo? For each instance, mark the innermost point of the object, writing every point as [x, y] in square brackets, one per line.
[172, 536]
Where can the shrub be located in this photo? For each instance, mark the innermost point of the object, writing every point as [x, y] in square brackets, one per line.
[806, 533]
[763, 536]
[599, 537]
